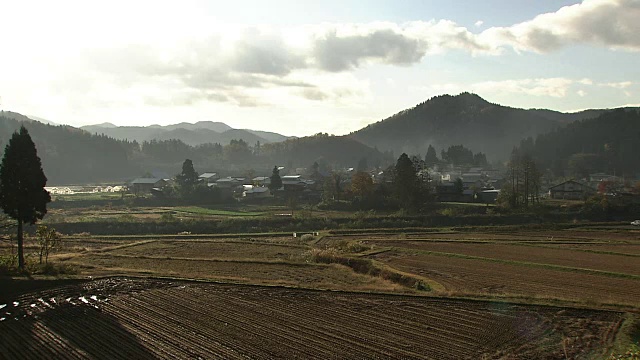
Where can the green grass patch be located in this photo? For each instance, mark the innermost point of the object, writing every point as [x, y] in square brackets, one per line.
[88, 196]
[216, 212]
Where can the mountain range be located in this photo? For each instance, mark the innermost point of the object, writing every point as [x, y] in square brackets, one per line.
[465, 119]
[106, 152]
[201, 132]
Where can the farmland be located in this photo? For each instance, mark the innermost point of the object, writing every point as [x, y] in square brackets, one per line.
[134, 318]
[414, 293]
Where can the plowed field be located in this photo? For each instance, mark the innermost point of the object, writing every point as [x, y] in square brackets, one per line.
[473, 276]
[561, 256]
[121, 318]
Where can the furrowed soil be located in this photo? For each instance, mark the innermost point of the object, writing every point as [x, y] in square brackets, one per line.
[319, 276]
[126, 318]
[556, 255]
[471, 276]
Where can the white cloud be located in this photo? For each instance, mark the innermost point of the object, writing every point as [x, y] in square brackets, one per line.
[553, 87]
[618, 85]
[70, 60]
[581, 93]
[609, 23]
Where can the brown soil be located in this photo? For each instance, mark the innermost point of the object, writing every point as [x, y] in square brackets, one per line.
[561, 255]
[303, 275]
[469, 276]
[217, 249]
[121, 318]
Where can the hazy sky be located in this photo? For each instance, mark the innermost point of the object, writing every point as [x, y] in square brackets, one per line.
[302, 67]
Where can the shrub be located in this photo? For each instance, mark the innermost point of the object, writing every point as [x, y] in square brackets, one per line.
[167, 217]
[307, 237]
[52, 268]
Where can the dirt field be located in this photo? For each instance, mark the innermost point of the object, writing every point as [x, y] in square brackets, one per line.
[592, 267]
[319, 276]
[558, 255]
[217, 249]
[123, 318]
[470, 276]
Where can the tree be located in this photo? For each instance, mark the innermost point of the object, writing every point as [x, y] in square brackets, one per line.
[431, 158]
[361, 184]
[332, 187]
[276, 181]
[188, 177]
[48, 239]
[458, 186]
[405, 182]
[22, 182]
[523, 182]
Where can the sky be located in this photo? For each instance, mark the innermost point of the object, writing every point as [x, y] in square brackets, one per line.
[303, 67]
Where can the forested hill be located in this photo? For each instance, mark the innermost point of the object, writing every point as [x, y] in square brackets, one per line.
[198, 133]
[74, 156]
[609, 143]
[465, 119]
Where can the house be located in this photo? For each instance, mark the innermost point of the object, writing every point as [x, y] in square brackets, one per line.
[229, 182]
[146, 185]
[488, 196]
[261, 181]
[599, 177]
[571, 190]
[209, 177]
[256, 192]
[470, 180]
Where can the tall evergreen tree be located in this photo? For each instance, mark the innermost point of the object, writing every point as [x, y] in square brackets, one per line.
[276, 181]
[405, 182]
[22, 182]
[431, 158]
[188, 177]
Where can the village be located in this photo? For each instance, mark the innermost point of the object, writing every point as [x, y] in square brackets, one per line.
[447, 184]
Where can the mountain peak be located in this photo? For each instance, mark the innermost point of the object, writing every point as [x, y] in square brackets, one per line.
[106, 125]
[472, 98]
[464, 99]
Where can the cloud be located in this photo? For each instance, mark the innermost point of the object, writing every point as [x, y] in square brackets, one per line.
[339, 53]
[608, 23]
[245, 65]
[258, 53]
[618, 85]
[553, 87]
[314, 94]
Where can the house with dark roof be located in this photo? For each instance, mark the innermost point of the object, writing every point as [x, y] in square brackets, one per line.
[209, 177]
[571, 190]
[146, 185]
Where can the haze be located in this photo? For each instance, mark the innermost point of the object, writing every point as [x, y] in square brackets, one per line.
[301, 68]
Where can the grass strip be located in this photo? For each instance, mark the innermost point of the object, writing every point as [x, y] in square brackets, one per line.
[204, 211]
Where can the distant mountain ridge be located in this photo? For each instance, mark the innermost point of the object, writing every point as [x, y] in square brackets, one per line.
[201, 132]
[465, 119]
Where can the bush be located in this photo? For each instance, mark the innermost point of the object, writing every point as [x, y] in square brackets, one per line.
[367, 267]
[51, 268]
[307, 237]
